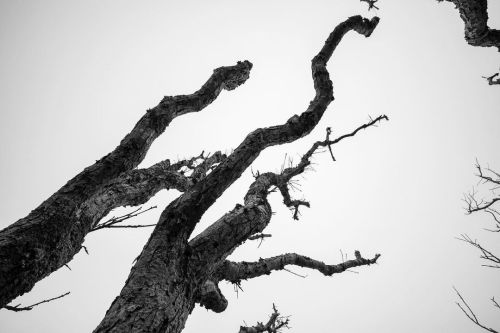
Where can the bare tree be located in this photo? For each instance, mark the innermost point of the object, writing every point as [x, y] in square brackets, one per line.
[490, 179]
[173, 274]
[474, 13]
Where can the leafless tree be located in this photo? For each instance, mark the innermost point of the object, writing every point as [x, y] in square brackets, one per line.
[474, 13]
[179, 273]
[490, 179]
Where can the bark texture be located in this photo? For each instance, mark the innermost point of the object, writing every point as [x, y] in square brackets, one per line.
[474, 13]
[49, 237]
[172, 274]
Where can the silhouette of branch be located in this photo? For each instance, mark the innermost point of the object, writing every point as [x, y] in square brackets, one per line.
[233, 271]
[491, 79]
[273, 325]
[18, 308]
[466, 309]
[486, 254]
[371, 3]
[112, 223]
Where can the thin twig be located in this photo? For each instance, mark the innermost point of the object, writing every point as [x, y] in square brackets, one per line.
[18, 308]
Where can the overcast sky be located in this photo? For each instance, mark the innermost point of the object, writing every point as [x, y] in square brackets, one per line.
[76, 76]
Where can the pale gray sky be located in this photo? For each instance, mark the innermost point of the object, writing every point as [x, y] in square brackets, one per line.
[76, 76]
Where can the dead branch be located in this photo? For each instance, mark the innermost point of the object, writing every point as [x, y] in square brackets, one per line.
[232, 229]
[233, 271]
[466, 309]
[371, 3]
[473, 204]
[112, 223]
[168, 244]
[274, 325]
[65, 212]
[474, 13]
[283, 180]
[18, 307]
[491, 79]
[486, 254]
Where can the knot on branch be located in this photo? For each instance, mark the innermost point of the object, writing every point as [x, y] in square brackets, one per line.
[211, 297]
[366, 26]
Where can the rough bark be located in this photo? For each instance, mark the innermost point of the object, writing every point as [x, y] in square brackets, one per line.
[474, 13]
[171, 275]
[49, 237]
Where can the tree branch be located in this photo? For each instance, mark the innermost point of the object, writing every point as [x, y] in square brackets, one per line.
[234, 272]
[53, 233]
[136, 187]
[474, 13]
[486, 254]
[204, 194]
[491, 79]
[211, 297]
[18, 308]
[221, 238]
[371, 3]
[273, 325]
[168, 243]
[466, 309]
[112, 223]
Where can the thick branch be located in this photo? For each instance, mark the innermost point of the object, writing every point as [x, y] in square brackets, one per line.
[235, 272]
[136, 187]
[204, 194]
[474, 13]
[167, 250]
[49, 237]
[223, 236]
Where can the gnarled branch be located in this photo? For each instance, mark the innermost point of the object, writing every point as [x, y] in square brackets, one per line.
[233, 271]
[474, 13]
[168, 247]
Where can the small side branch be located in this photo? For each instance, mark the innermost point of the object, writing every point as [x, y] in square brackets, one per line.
[112, 223]
[491, 79]
[486, 177]
[274, 325]
[474, 13]
[233, 271]
[371, 3]
[18, 308]
[486, 254]
[466, 309]
[211, 297]
[283, 179]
